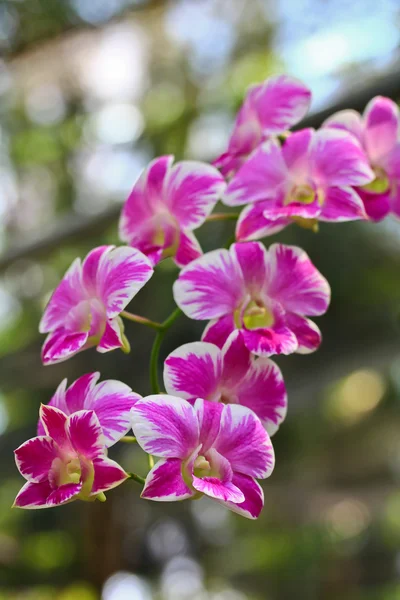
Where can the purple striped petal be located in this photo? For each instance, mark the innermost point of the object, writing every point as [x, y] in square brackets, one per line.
[376, 206]
[165, 426]
[112, 336]
[243, 441]
[295, 283]
[189, 249]
[191, 191]
[252, 225]
[263, 391]
[58, 401]
[33, 495]
[112, 401]
[218, 330]
[86, 434]
[253, 259]
[210, 286]
[254, 497]
[122, 272]
[107, 475]
[209, 419]
[61, 345]
[262, 176]
[54, 422]
[66, 296]
[342, 204]
[221, 487]
[165, 483]
[337, 159]
[90, 269]
[281, 102]
[381, 118]
[76, 394]
[347, 120]
[193, 371]
[34, 458]
[307, 333]
[65, 493]
[236, 361]
[278, 339]
[296, 153]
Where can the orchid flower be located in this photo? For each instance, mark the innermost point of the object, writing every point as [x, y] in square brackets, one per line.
[231, 375]
[378, 133]
[166, 204]
[309, 178]
[269, 108]
[67, 463]
[209, 448]
[83, 310]
[110, 400]
[265, 294]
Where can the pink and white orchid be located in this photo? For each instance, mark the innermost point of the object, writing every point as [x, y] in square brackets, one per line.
[311, 177]
[110, 400]
[67, 463]
[265, 294]
[377, 130]
[231, 375]
[209, 448]
[269, 108]
[166, 204]
[83, 310]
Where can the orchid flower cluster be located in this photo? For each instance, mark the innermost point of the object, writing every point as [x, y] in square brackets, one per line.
[223, 396]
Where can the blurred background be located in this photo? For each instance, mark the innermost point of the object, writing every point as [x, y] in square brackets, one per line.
[90, 91]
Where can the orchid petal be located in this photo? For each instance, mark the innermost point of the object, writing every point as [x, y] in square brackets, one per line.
[381, 118]
[278, 339]
[252, 225]
[243, 441]
[54, 424]
[189, 249]
[342, 204]
[236, 360]
[193, 371]
[165, 483]
[209, 419]
[307, 333]
[112, 336]
[63, 494]
[86, 434]
[165, 426]
[34, 458]
[33, 495]
[347, 120]
[107, 475]
[210, 286]
[61, 345]
[58, 401]
[221, 487]
[253, 503]
[218, 330]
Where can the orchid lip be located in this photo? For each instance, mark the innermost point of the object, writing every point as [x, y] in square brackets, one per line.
[380, 184]
[257, 316]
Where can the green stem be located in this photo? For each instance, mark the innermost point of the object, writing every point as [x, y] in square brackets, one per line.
[223, 217]
[136, 478]
[155, 351]
[142, 320]
[128, 439]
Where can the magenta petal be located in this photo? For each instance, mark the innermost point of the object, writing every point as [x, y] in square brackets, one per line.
[188, 249]
[209, 419]
[165, 426]
[254, 497]
[54, 424]
[252, 225]
[278, 339]
[112, 402]
[342, 204]
[296, 152]
[35, 457]
[381, 118]
[191, 190]
[376, 206]
[165, 483]
[112, 336]
[90, 268]
[65, 493]
[58, 401]
[221, 487]
[252, 258]
[33, 495]
[347, 120]
[86, 434]
[295, 283]
[121, 274]
[218, 330]
[236, 360]
[210, 286]
[261, 177]
[61, 345]
[193, 371]
[76, 394]
[307, 333]
[243, 441]
[107, 475]
[337, 159]
[69, 293]
[263, 391]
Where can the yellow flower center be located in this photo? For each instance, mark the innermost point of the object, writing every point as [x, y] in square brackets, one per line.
[257, 316]
[380, 184]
